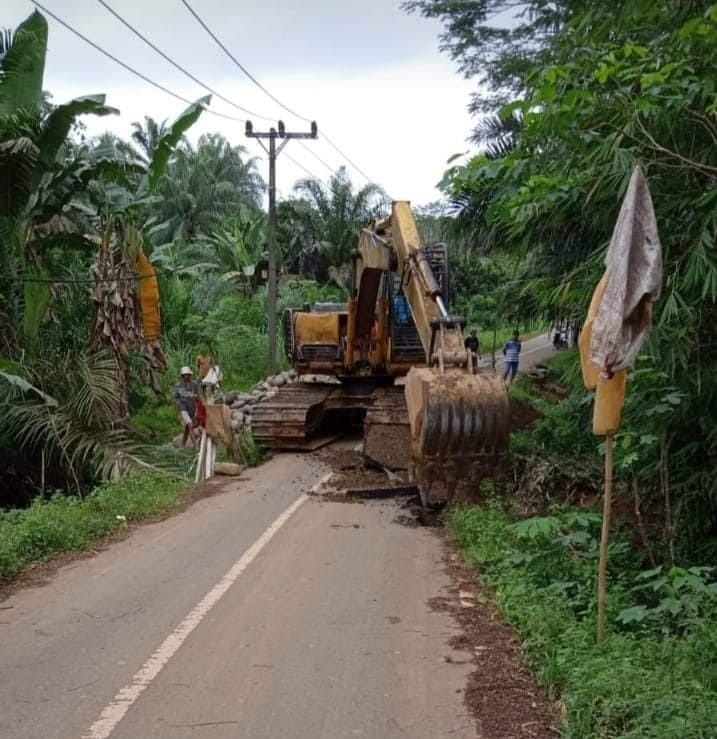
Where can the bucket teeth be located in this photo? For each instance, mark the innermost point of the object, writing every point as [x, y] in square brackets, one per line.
[460, 425]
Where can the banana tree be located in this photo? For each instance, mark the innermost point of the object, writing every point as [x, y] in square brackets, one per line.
[236, 250]
[126, 317]
[39, 185]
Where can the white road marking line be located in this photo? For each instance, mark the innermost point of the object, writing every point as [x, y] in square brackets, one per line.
[116, 710]
[315, 488]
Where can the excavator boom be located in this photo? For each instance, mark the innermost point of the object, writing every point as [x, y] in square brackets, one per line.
[459, 415]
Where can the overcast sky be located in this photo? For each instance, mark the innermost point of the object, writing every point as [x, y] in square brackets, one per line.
[371, 75]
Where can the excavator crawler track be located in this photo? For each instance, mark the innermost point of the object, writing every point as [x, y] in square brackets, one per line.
[304, 415]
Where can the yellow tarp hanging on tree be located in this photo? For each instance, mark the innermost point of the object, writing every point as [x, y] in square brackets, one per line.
[148, 298]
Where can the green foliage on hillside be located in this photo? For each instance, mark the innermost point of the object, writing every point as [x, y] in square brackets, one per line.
[580, 93]
[654, 677]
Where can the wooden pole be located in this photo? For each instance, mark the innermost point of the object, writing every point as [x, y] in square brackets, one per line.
[604, 540]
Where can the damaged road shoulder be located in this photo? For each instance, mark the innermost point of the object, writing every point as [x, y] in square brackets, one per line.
[501, 695]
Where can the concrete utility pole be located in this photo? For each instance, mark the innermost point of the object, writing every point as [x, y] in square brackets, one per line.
[273, 151]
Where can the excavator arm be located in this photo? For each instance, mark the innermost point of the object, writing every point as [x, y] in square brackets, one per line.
[459, 415]
[441, 333]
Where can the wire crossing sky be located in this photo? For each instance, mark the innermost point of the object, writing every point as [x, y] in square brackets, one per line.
[370, 75]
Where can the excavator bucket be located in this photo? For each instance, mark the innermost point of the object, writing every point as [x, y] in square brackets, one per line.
[460, 428]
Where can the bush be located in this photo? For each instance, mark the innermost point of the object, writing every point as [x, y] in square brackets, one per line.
[64, 523]
[653, 678]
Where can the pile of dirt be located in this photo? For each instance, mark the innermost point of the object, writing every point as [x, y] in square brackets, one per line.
[501, 695]
[390, 443]
[351, 470]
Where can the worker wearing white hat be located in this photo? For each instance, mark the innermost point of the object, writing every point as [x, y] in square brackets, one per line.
[186, 392]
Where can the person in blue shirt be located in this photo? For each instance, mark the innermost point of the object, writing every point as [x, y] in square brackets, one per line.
[511, 352]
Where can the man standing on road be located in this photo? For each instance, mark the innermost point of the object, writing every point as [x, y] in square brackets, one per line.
[186, 394]
[472, 344]
[511, 352]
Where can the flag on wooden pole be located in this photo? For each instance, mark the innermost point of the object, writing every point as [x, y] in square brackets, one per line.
[616, 326]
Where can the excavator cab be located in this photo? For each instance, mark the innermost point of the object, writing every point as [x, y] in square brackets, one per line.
[393, 356]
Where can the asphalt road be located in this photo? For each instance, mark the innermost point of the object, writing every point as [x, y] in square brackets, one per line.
[259, 612]
[533, 351]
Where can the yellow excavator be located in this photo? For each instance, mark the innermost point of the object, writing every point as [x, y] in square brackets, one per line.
[394, 360]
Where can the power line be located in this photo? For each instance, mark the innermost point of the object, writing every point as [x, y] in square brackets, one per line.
[86, 280]
[264, 89]
[128, 67]
[239, 64]
[143, 77]
[179, 66]
[341, 153]
[304, 169]
[317, 157]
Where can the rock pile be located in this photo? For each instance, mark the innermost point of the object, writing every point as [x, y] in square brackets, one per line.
[242, 404]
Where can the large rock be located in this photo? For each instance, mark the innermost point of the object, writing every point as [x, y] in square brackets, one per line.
[228, 468]
[292, 374]
[230, 398]
[277, 380]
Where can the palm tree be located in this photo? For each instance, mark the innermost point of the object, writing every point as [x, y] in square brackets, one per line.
[204, 186]
[496, 134]
[61, 414]
[147, 137]
[334, 215]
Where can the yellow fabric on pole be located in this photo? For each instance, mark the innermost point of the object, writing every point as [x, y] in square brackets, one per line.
[591, 372]
[148, 298]
[609, 400]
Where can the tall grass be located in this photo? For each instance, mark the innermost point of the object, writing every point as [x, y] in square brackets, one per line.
[67, 523]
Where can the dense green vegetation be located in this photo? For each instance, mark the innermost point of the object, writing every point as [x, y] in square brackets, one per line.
[64, 523]
[572, 95]
[535, 544]
[654, 677]
[577, 93]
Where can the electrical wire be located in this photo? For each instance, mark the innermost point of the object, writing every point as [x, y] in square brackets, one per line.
[267, 92]
[305, 169]
[126, 66]
[85, 280]
[341, 153]
[316, 156]
[178, 66]
[240, 65]
[177, 96]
